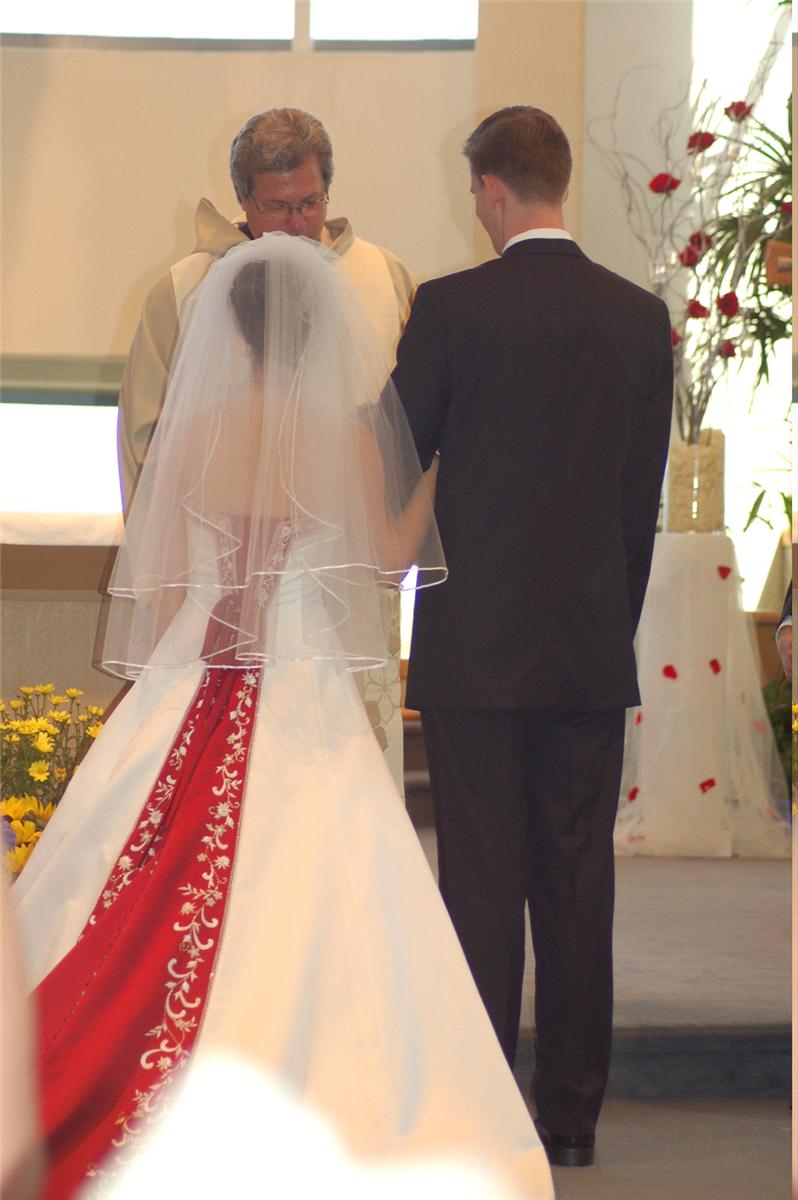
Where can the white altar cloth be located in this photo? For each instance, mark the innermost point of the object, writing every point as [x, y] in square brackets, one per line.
[701, 774]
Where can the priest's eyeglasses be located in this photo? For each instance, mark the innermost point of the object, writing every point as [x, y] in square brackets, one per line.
[281, 208]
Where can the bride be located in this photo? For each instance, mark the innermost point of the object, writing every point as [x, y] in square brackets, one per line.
[232, 869]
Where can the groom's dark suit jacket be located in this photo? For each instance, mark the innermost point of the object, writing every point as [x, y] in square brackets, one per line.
[546, 383]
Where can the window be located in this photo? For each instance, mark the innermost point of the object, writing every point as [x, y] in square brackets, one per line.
[413, 20]
[151, 19]
[330, 20]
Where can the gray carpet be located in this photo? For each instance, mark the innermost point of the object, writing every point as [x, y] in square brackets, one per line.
[698, 1104]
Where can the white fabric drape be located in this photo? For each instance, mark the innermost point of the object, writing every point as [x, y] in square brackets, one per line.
[701, 773]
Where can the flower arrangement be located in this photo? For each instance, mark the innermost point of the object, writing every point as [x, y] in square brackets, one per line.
[43, 737]
[719, 190]
[777, 695]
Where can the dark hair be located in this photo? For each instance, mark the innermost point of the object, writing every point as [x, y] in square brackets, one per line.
[526, 149]
[280, 139]
[297, 310]
[248, 297]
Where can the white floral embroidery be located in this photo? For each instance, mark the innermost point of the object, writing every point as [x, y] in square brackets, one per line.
[196, 939]
[126, 866]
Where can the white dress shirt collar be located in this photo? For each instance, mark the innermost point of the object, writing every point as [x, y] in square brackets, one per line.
[538, 233]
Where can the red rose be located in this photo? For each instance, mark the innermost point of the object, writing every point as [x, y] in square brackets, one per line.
[675, 338]
[664, 183]
[696, 309]
[738, 111]
[689, 256]
[700, 242]
[728, 304]
[699, 141]
[786, 208]
[727, 350]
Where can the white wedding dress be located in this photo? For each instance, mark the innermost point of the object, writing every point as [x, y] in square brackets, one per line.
[335, 965]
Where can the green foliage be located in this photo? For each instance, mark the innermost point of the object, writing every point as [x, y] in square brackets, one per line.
[778, 701]
[740, 237]
[756, 515]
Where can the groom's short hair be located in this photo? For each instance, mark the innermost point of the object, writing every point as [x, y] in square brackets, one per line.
[526, 149]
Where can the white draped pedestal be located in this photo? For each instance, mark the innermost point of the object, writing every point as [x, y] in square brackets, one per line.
[701, 775]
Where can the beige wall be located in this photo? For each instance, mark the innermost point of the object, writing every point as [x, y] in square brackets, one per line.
[48, 637]
[106, 151]
[534, 53]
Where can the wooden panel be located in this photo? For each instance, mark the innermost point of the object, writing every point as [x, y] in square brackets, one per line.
[59, 568]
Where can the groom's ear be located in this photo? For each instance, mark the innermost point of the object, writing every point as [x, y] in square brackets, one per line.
[494, 189]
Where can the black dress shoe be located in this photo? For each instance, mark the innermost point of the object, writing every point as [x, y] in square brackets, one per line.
[563, 1151]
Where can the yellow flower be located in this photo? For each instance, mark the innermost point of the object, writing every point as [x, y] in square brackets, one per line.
[43, 743]
[94, 729]
[60, 774]
[17, 857]
[39, 770]
[16, 704]
[36, 810]
[94, 711]
[16, 807]
[12, 738]
[58, 714]
[26, 691]
[25, 831]
[795, 726]
[33, 725]
[2, 706]
[73, 693]
[83, 717]
[58, 699]
[794, 707]
[44, 689]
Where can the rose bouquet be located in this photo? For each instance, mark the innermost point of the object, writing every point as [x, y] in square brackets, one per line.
[43, 737]
[718, 190]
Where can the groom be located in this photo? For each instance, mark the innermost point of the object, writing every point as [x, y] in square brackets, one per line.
[545, 382]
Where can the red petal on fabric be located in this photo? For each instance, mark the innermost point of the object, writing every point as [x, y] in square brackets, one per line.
[724, 572]
[638, 718]
[633, 794]
[707, 785]
[715, 666]
[670, 671]
[760, 726]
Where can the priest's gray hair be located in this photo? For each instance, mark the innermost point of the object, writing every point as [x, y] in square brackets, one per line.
[280, 139]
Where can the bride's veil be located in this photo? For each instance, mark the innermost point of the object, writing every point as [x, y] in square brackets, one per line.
[282, 449]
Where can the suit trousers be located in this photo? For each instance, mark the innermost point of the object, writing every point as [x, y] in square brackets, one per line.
[525, 803]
